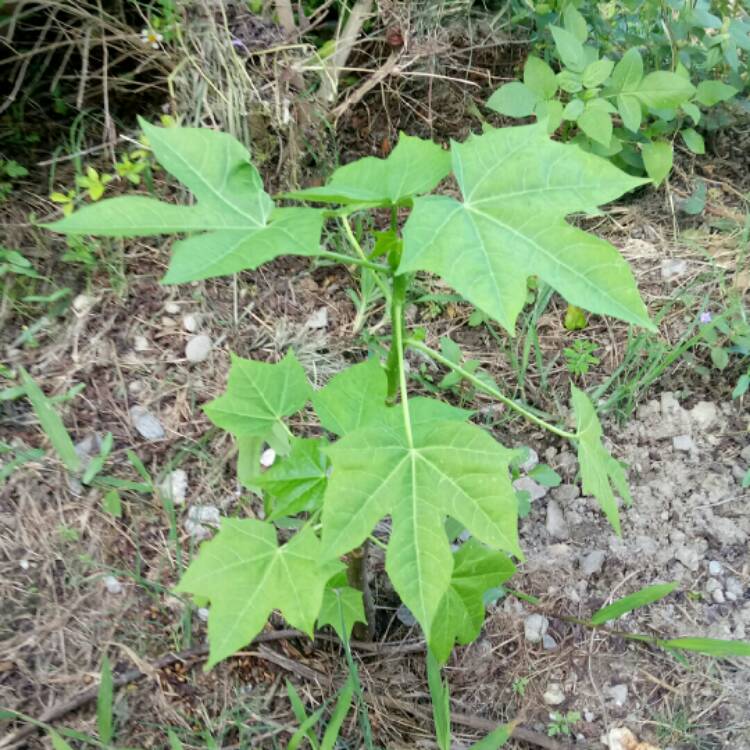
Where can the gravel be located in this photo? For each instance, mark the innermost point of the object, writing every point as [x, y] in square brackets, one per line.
[198, 348]
[556, 525]
[147, 425]
[534, 628]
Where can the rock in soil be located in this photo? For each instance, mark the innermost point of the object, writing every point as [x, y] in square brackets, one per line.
[198, 348]
[534, 628]
[556, 525]
[147, 425]
[536, 490]
[554, 695]
[593, 562]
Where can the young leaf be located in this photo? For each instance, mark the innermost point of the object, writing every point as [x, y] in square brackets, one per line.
[647, 595]
[112, 503]
[245, 575]
[518, 186]
[569, 48]
[599, 470]
[513, 99]
[342, 606]
[630, 111]
[693, 140]
[573, 109]
[692, 111]
[297, 482]
[664, 90]
[596, 73]
[597, 125]
[550, 111]
[575, 23]
[710, 93]
[258, 395]
[657, 158]
[237, 224]
[51, 423]
[539, 78]
[413, 167]
[628, 73]
[709, 646]
[460, 615]
[495, 739]
[104, 704]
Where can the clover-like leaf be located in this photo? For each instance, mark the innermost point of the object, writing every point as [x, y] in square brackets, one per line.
[342, 606]
[234, 220]
[518, 186]
[258, 395]
[297, 482]
[600, 472]
[245, 575]
[460, 615]
[419, 471]
[414, 166]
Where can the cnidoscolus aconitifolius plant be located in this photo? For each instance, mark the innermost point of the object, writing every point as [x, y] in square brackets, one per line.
[419, 461]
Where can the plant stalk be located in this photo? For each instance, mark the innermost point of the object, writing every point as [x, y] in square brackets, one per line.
[494, 392]
[394, 364]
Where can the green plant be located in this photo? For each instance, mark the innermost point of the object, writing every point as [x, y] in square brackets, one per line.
[384, 452]
[562, 723]
[613, 110]
[10, 171]
[580, 357]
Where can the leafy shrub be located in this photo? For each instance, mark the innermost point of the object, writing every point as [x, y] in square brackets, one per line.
[619, 111]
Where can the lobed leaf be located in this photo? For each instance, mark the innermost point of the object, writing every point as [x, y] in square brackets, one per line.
[600, 472]
[245, 575]
[258, 395]
[235, 220]
[414, 166]
[419, 475]
[518, 186]
[459, 617]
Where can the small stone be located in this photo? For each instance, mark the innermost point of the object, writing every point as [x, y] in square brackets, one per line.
[404, 615]
[171, 308]
[745, 454]
[147, 425]
[536, 490]
[175, 486]
[734, 589]
[565, 493]
[673, 268]
[718, 596]
[198, 348]
[554, 694]
[168, 322]
[593, 562]
[203, 614]
[113, 585]
[548, 642]
[82, 302]
[24, 564]
[618, 694]
[87, 448]
[712, 585]
[191, 323]
[556, 526]
[532, 460]
[140, 344]
[534, 628]
[683, 443]
[705, 414]
[689, 557]
[267, 457]
[200, 519]
[715, 568]
[319, 319]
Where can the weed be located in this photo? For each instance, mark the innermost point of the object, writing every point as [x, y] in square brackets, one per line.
[579, 358]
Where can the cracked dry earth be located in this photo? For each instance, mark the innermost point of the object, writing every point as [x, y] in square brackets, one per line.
[690, 523]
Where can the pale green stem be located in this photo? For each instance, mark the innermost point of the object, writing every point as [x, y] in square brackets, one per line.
[361, 253]
[494, 392]
[399, 296]
[351, 261]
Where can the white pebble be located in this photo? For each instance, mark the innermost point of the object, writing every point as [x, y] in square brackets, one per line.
[554, 695]
[113, 585]
[191, 323]
[534, 628]
[82, 302]
[203, 614]
[683, 443]
[140, 344]
[714, 568]
[171, 308]
[24, 564]
[146, 423]
[175, 486]
[267, 457]
[198, 348]
[319, 319]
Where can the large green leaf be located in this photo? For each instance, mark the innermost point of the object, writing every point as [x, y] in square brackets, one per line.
[238, 225]
[245, 575]
[539, 78]
[419, 472]
[413, 167]
[518, 186]
[600, 472]
[297, 482]
[258, 395]
[628, 73]
[569, 48]
[460, 615]
[664, 90]
[710, 93]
